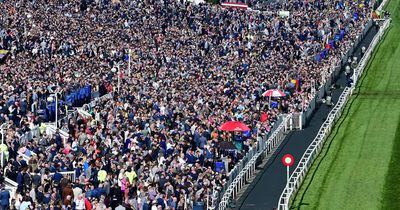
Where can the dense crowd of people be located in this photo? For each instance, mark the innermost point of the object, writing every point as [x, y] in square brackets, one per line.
[155, 144]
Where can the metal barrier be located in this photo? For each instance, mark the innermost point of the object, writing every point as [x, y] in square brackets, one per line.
[11, 186]
[315, 147]
[51, 130]
[29, 135]
[67, 174]
[35, 132]
[2, 157]
[245, 170]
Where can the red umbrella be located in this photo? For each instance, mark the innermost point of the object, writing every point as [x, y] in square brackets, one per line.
[274, 93]
[234, 126]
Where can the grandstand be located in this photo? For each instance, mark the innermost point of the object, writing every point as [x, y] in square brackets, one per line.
[108, 104]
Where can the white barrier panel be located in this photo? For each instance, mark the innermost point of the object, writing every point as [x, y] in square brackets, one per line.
[249, 169]
[315, 147]
[70, 175]
[83, 113]
[234, 5]
[11, 186]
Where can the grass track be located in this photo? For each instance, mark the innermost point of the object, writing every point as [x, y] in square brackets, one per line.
[358, 167]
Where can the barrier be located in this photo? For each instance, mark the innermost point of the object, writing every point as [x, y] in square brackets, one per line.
[329, 78]
[11, 186]
[35, 132]
[2, 156]
[246, 168]
[52, 130]
[315, 147]
[70, 175]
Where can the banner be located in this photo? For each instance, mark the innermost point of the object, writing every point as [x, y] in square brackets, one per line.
[234, 5]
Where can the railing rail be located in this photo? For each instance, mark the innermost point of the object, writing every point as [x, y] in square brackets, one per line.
[247, 170]
[315, 147]
[11, 186]
[67, 174]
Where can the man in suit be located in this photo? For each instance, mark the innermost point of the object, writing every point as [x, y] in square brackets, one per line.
[4, 198]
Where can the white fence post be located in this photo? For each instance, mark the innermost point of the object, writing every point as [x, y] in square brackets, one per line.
[301, 121]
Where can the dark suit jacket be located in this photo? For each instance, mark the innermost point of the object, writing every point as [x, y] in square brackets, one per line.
[5, 197]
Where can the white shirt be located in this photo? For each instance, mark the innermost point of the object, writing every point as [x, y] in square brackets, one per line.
[80, 204]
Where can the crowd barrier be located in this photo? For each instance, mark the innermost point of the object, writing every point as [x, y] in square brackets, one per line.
[51, 129]
[70, 175]
[11, 186]
[330, 79]
[35, 132]
[246, 168]
[315, 147]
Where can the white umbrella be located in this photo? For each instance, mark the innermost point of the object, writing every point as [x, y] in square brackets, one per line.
[273, 93]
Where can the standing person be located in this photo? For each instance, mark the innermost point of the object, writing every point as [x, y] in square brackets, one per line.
[4, 199]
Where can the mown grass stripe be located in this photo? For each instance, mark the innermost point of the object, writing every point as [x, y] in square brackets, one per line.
[391, 194]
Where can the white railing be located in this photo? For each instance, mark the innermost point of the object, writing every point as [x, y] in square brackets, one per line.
[35, 132]
[11, 186]
[382, 5]
[364, 60]
[249, 169]
[26, 157]
[315, 147]
[2, 156]
[27, 136]
[83, 112]
[67, 174]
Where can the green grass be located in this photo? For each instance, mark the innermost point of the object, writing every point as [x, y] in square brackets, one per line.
[359, 166]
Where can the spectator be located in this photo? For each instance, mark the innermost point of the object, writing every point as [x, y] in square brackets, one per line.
[4, 198]
[154, 143]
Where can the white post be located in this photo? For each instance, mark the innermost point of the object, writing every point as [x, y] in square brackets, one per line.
[301, 120]
[208, 199]
[56, 93]
[129, 62]
[287, 173]
[185, 204]
[119, 75]
[212, 199]
[286, 206]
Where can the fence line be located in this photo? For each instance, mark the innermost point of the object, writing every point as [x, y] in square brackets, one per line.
[315, 147]
[67, 174]
[51, 129]
[247, 170]
[11, 186]
[35, 132]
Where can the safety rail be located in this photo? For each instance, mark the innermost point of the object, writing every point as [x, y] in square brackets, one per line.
[315, 147]
[52, 130]
[83, 112]
[11, 186]
[2, 156]
[249, 169]
[35, 132]
[312, 150]
[70, 175]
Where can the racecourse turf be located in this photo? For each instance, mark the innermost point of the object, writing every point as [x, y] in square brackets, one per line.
[359, 166]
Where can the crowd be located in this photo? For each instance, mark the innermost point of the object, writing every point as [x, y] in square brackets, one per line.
[156, 143]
